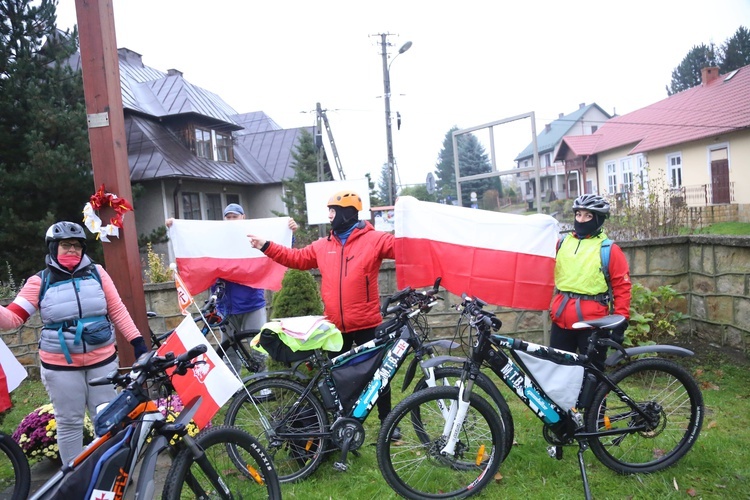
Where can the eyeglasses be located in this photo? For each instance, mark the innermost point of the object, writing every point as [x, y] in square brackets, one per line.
[67, 246]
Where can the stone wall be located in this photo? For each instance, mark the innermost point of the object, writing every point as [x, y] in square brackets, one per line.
[712, 272]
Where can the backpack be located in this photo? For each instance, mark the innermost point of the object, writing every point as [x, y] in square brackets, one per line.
[604, 254]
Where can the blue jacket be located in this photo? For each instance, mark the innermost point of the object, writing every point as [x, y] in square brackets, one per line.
[239, 299]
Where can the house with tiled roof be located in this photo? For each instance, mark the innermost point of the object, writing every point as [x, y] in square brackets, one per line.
[554, 185]
[190, 153]
[696, 142]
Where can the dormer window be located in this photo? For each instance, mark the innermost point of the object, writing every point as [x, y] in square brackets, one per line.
[212, 145]
[203, 143]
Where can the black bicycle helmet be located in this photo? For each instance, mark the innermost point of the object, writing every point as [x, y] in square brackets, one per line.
[593, 203]
[64, 230]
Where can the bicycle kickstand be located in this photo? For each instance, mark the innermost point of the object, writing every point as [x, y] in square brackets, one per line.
[583, 445]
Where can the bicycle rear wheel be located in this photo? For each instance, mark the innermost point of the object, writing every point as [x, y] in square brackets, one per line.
[448, 375]
[300, 452]
[15, 467]
[237, 457]
[414, 466]
[671, 398]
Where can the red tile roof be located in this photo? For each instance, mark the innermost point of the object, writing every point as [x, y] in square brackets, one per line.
[721, 106]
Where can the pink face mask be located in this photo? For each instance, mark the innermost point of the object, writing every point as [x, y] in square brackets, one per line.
[69, 261]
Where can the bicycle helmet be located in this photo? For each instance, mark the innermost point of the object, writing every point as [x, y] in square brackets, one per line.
[593, 203]
[345, 199]
[64, 230]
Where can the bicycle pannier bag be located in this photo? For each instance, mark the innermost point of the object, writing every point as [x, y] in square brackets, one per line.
[353, 375]
[278, 350]
[562, 383]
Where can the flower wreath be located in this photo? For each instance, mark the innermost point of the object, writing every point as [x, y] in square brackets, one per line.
[94, 223]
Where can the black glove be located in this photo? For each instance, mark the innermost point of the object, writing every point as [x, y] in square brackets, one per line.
[139, 347]
[618, 334]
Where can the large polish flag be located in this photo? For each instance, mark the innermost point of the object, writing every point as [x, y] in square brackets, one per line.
[207, 250]
[503, 259]
[212, 379]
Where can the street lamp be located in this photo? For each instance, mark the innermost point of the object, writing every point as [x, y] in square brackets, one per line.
[388, 133]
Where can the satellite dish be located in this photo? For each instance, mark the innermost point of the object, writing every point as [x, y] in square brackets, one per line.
[430, 183]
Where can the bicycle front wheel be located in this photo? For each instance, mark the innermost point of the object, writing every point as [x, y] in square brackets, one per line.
[673, 407]
[293, 440]
[14, 468]
[449, 375]
[238, 459]
[415, 466]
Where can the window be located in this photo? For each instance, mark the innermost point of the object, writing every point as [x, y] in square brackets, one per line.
[214, 210]
[674, 170]
[203, 144]
[626, 167]
[223, 147]
[641, 172]
[611, 177]
[233, 198]
[191, 206]
[594, 128]
[546, 160]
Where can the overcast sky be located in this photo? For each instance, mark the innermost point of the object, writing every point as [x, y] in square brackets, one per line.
[471, 62]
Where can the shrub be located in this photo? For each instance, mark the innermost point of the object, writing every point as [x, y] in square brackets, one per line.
[156, 271]
[299, 296]
[37, 433]
[652, 315]
[8, 287]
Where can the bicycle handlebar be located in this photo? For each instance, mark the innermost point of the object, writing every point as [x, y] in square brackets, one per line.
[409, 299]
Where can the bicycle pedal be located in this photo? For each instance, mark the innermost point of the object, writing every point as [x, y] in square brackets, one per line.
[555, 452]
[340, 466]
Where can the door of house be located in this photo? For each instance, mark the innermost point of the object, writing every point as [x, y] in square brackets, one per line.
[720, 181]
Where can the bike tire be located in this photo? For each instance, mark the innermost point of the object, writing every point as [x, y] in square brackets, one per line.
[489, 391]
[413, 465]
[294, 458]
[254, 476]
[648, 382]
[11, 453]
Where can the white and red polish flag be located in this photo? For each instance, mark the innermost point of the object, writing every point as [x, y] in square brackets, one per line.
[503, 259]
[208, 250]
[212, 380]
[12, 373]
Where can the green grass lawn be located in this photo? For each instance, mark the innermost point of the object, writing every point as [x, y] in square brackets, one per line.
[731, 228]
[716, 467]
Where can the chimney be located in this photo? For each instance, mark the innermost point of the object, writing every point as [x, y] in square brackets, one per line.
[547, 127]
[130, 56]
[582, 105]
[560, 115]
[174, 72]
[709, 74]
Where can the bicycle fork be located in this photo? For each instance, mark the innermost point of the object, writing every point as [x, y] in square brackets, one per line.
[455, 421]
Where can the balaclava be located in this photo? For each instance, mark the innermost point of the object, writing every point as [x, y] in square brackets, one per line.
[67, 261]
[345, 218]
[590, 228]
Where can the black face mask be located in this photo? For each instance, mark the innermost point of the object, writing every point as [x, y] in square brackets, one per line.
[584, 229]
[345, 218]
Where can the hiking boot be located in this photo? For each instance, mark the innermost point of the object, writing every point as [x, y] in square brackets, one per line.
[396, 434]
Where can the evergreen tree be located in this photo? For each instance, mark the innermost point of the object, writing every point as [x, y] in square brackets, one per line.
[45, 164]
[688, 73]
[383, 185]
[305, 170]
[299, 296]
[418, 191]
[472, 160]
[375, 200]
[735, 52]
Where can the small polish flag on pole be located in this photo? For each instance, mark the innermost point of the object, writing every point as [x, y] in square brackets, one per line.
[183, 294]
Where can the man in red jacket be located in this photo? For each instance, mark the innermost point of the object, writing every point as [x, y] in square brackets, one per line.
[349, 262]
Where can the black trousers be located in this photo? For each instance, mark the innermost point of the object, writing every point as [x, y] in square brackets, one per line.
[575, 341]
[361, 337]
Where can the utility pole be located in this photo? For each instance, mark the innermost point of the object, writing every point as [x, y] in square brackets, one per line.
[387, 95]
[109, 156]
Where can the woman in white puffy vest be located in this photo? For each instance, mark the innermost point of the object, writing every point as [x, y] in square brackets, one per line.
[79, 306]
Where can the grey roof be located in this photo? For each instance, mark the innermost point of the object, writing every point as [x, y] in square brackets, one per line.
[256, 121]
[273, 149]
[547, 140]
[154, 153]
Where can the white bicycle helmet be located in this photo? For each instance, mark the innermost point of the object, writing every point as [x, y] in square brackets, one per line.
[593, 203]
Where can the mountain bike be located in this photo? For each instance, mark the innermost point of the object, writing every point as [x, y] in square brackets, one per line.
[292, 419]
[12, 456]
[219, 462]
[641, 418]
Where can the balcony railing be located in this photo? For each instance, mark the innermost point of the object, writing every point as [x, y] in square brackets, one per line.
[706, 194]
